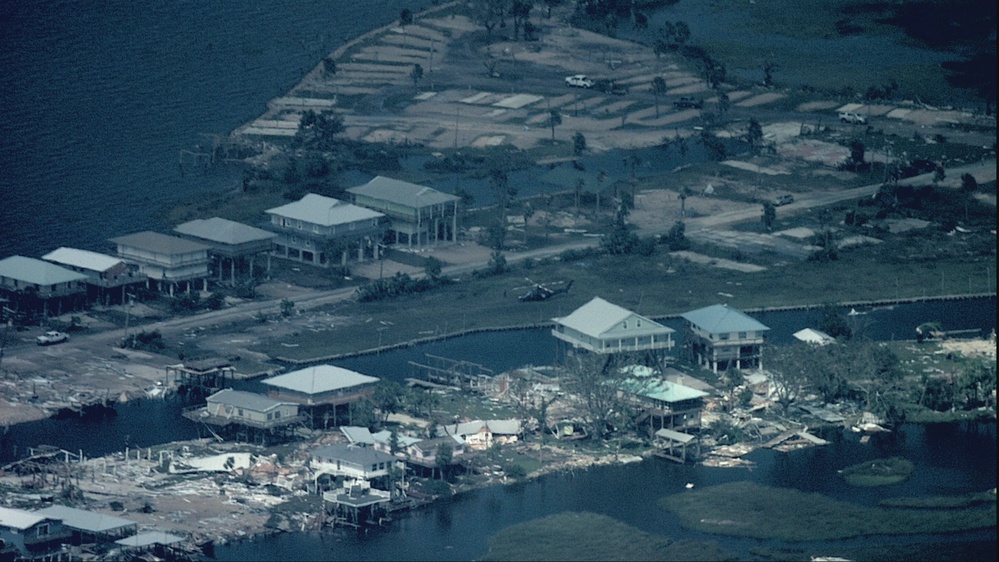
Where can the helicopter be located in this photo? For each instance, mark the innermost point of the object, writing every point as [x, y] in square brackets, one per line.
[543, 291]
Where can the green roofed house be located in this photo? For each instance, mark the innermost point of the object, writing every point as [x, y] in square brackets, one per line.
[33, 285]
[718, 337]
[232, 241]
[423, 215]
[603, 327]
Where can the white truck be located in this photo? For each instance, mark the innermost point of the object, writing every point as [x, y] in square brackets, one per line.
[578, 81]
[51, 337]
[852, 117]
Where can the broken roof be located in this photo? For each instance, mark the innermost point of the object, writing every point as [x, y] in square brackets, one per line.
[720, 319]
[319, 379]
[242, 399]
[37, 272]
[149, 539]
[817, 337]
[402, 193]
[349, 452]
[324, 211]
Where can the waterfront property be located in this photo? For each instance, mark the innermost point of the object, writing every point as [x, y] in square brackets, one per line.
[424, 454]
[718, 337]
[815, 337]
[321, 230]
[419, 213]
[246, 415]
[479, 435]
[170, 261]
[673, 405]
[90, 527]
[30, 535]
[205, 374]
[602, 327]
[232, 242]
[32, 285]
[321, 390]
[108, 277]
[356, 503]
[346, 460]
[164, 546]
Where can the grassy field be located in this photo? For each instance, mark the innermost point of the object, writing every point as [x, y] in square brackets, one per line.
[746, 509]
[881, 472]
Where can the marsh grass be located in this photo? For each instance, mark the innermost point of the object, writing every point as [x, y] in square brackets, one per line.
[941, 502]
[747, 509]
[588, 536]
[878, 472]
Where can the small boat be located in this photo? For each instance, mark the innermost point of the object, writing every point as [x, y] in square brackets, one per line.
[689, 485]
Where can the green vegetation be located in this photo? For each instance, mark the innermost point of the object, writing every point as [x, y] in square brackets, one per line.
[941, 502]
[880, 472]
[746, 509]
[588, 536]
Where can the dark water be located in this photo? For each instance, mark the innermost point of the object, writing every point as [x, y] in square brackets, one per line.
[948, 458]
[99, 97]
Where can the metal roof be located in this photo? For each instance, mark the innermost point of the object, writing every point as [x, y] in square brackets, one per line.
[817, 337]
[149, 539]
[720, 319]
[324, 211]
[659, 389]
[401, 192]
[358, 435]
[90, 521]
[38, 272]
[674, 435]
[319, 379]
[83, 259]
[223, 231]
[599, 316]
[385, 436]
[19, 518]
[159, 243]
[348, 452]
[242, 399]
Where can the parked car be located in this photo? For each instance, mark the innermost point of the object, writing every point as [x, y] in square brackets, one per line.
[51, 337]
[852, 117]
[578, 81]
[783, 200]
[688, 103]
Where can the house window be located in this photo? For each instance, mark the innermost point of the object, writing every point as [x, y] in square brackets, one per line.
[240, 412]
[723, 337]
[277, 414]
[742, 335]
[270, 417]
[638, 323]
[625, 324]
[43, 530]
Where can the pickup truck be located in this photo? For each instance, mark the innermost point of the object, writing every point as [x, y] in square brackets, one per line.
[851, 117]
[578, 81]
[783, 200]
[51, 337]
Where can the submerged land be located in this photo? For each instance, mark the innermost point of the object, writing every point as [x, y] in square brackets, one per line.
[485, 101]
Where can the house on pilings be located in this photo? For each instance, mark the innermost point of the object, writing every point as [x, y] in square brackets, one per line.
[247, 416]
[324, 393]
[718, 337]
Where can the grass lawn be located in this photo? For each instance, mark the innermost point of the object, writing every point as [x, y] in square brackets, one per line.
[880, 472]
[746, 509]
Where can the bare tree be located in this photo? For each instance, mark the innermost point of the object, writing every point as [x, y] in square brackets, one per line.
[594, 388]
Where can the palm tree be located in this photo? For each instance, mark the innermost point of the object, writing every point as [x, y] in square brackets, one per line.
[658, 89]
[554, 120]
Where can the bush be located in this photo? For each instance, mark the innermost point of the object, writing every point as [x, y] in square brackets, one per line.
[515, 471]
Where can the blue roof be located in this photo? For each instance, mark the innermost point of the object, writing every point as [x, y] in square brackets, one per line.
[659, 389]
[720, 319]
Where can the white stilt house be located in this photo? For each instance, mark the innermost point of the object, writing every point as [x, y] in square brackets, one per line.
[718, 337]
[603, 327]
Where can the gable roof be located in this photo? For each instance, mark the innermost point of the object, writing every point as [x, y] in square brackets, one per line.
[38, 272]
[659, 389]
[499, 427]
[19, 518]
[402, 192]
[223, 231]
[149, 538]
[319, 379]
[90, 521]
[817, 337]
[242, 399]
[159, 243]
[83, 259]
[720, 319]
[598, 316]
[324, 211]
[385, 437]
[357, 435]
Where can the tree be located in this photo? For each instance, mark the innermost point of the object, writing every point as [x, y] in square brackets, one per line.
[675, 239]
[594, 390]
[554, 120]
[580, 184]
[497, 262]
[499, 182]
[578, 144]
[769, 215]
[405, 16]
[684, 193]
[788, 365]
[552, 4]
[319, 130]
[433, 268]
[520, 10]
[939, 174]
[769, 67]
[622, 240]
[488, 13]
[444, 458]
[287, 307]
[658, 89]
[754, 136]
[388, 398]
[856, 153]
[681, 33]
[417, 74]
[968, 187]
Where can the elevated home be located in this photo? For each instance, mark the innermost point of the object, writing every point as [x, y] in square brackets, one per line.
[603, 327]
[246, 413]
[33, 285]
[88, 527]
[417, 212]
[108, 277]
[673, 405]
[424, 454]
[323, 231]
[31, 536]
[230, 242]
[170, 261]
[403, 443]
[718, 337]
[320, 390]
[346, 460]
[359, 436]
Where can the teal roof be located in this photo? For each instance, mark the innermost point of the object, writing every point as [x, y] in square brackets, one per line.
[402, 192]
[659, 389]
[720, 319]
[37, 272]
